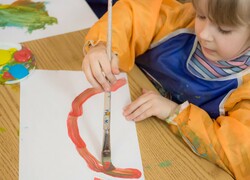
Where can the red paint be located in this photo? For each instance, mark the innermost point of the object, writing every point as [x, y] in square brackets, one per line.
[95, 178]
[7, 75]
[81, 147]
[23, 55]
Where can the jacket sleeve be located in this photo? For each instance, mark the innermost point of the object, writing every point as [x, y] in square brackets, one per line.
[224, 141]
[138, 23]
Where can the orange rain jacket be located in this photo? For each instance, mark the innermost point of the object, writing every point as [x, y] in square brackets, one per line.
[138, 24]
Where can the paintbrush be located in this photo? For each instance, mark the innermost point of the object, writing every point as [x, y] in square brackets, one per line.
[106, 151]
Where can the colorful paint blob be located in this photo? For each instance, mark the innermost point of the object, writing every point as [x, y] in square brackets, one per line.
[81, 147]
[25, 14]
[5, 56]
[15, 63]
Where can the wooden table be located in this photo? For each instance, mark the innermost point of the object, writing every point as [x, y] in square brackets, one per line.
[164, 156]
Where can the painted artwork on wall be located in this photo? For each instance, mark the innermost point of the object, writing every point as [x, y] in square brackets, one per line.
[61, 131]
[25, 20]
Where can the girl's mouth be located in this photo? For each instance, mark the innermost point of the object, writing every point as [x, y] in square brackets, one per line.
[208, 51]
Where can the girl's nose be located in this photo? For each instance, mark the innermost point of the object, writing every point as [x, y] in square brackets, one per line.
[206, 32]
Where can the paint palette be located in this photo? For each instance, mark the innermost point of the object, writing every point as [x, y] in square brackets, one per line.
[16, 61]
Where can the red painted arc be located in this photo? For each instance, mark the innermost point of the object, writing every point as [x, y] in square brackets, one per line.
[81, 147]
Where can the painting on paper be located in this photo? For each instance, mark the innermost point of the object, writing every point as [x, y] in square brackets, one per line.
[46, 121]
[24, 20]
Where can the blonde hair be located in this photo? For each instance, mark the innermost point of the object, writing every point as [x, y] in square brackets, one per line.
[227, 12]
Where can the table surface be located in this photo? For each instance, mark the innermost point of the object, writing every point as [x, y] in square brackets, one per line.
[164, 156]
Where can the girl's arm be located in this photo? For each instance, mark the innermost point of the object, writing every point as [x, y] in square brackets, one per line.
[138, 23]
[224, 141]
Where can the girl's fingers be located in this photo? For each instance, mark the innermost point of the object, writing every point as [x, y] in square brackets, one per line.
[136, 104]
[106, 68]
[140, 108]
[111, 69]
[149, 104]
[99, 75]
[91, 79]
[98, 68]
[115, 64]
[87, 71]
[140, 113]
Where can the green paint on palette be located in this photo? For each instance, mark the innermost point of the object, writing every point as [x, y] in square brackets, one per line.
[165, 163]
[2, 130]
[25, 14]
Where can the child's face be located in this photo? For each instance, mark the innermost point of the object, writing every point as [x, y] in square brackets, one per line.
[220, 42]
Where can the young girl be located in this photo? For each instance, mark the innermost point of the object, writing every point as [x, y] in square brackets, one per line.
[204, 79]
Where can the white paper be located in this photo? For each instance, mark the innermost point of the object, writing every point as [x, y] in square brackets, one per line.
[72, 15]
[46, 151]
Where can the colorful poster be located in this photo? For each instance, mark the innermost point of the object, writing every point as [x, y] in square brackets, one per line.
[47, 151]
[25, 20]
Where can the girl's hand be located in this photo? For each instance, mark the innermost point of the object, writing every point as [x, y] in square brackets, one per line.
[98, 69]
[149, 104]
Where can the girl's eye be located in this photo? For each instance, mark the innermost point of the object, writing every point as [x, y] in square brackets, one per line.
[201, 17]
[224, 31]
